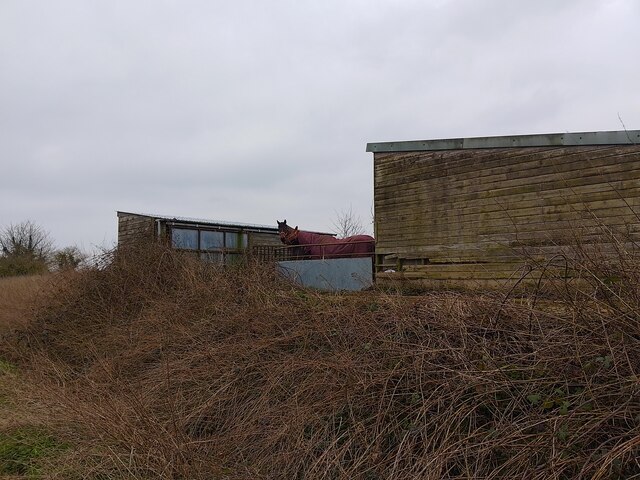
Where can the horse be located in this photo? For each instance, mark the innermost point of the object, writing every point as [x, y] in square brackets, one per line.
[316, 245]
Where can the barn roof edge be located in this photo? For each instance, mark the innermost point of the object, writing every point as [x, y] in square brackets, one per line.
[202, 221]
[620, 137]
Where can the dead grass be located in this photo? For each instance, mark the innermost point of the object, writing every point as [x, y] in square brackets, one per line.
[157, 366]
[24, 445]
[18, 297]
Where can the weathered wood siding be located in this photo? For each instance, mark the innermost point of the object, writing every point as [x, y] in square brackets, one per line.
[466, 216]
[134, 229]
[256, 238]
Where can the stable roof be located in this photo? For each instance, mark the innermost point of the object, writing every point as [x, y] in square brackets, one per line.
[621, 137]
[205, 222]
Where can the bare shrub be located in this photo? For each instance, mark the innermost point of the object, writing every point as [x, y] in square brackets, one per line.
[19, 299]
[25, 249]
[68, 258]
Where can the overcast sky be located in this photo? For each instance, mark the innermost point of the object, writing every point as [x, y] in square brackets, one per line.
[253, 111]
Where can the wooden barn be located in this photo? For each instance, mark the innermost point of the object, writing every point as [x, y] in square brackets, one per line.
[478, 212]
[214, 241]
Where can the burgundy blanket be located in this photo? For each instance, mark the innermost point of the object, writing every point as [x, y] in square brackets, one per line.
[326, 246]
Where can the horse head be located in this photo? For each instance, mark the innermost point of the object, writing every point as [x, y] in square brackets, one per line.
[288, 235]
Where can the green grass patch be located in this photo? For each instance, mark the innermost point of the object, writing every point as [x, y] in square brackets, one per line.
[6, 367]
[22, 451]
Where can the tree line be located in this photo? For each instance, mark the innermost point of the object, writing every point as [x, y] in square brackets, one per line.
[27, 249]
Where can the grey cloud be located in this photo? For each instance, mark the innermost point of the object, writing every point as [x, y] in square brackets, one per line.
[250, 111]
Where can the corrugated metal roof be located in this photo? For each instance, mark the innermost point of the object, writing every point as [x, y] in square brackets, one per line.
[621, 137]
[204, 221]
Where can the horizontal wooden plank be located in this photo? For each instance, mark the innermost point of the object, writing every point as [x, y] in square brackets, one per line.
[486, 251]
[608, 212]
[448, 163]
[135, 218]
[537, 180]
[504, 274]
[427, 219]
[428, 169]
[458, 191]
[537, 228]
[587, 189]
[501, 167]
[557, 231]
[519, 285]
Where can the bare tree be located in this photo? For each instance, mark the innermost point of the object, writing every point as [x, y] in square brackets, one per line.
[27, 240]
[347, 224]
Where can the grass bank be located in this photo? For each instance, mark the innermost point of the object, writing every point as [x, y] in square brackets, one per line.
[157, 366]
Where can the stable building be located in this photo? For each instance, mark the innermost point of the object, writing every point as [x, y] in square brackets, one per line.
[211, 240]
[479, 212]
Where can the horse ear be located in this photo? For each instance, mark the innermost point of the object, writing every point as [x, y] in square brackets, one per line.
[296, 229]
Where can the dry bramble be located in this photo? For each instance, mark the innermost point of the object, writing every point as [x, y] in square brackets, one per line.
[157, 366]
